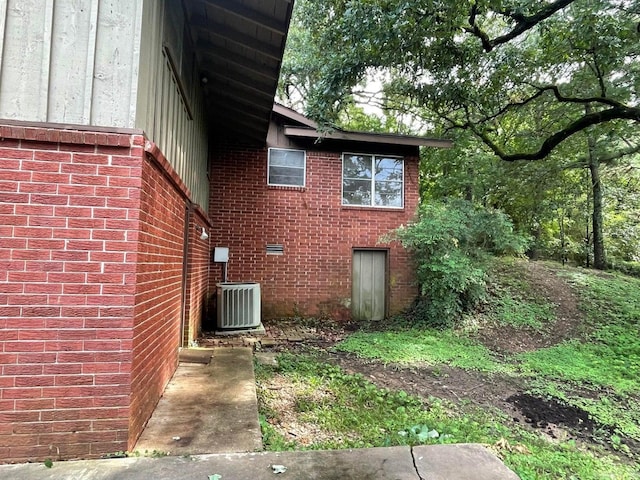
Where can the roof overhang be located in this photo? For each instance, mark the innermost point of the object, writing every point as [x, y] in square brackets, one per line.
[239, 46]
[298, 126]
[365, 137]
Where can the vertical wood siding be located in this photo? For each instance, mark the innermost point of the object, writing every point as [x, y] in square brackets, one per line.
[173, 119]
[69, 61]
[102, 63]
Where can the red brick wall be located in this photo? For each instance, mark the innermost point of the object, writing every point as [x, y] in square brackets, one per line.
[318, 234]
[158, 301]
[68, 203]
[91, 263]
[197, 277]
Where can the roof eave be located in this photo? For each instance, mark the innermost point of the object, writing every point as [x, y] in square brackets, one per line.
[376, 138]
[239, 48]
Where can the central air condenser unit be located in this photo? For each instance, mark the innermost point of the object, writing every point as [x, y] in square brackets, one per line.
[238, 305]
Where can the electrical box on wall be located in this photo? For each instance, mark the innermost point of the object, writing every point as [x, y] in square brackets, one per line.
[221, 254]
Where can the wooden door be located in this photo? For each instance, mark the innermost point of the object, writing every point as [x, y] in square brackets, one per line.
[369, 284]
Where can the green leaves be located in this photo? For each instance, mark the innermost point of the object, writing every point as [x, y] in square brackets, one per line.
[420, 433]
[449, 243]
[472, 65]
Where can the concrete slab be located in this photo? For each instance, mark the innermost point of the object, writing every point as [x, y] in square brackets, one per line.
[394, 463]
[385, 463]
[464, 461]
[259, 330]
[207, 408]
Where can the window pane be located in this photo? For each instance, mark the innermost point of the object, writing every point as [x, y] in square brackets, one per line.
[286, 176]
[389, 169]
[370, 180]
[356, 192]
[356, 166]
[388, 194]
[286, 167]
[286, 158]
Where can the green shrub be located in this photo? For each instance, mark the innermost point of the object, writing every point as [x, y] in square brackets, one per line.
[450, 241]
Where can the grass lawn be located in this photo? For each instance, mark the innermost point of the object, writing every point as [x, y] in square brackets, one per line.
[309, 402]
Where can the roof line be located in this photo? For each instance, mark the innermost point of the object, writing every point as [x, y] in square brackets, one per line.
[391, 139]
[293, 115]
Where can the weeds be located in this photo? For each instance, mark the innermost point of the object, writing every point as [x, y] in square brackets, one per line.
[607, 366]
[520, 313]
[598, 372]
[359, 414]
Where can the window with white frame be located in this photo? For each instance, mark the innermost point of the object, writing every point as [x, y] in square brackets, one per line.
[286, 167]
[372, 180]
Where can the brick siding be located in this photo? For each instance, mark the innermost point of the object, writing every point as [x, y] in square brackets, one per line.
[197, 292]
[313, 277]
[66, 299]
[158, 300]
[91, 248]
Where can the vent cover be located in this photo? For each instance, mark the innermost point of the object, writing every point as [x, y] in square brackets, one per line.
[273, 249]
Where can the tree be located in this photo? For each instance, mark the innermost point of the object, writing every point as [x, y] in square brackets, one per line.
[542, 198]
[473, 64]
[450, 241]
[528, 79]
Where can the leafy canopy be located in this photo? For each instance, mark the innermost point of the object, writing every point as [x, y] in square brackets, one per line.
[522, 75]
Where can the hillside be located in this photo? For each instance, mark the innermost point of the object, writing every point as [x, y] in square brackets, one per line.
[553, 351]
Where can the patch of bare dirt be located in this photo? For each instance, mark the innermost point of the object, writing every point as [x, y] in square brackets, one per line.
[552, 416]
[545, 283]
[444, 382]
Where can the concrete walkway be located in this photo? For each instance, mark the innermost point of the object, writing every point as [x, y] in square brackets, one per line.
[207, 408]
[209, 413]
[435, 462]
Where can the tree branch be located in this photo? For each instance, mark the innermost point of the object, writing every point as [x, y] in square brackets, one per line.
[561, 98]
[477, 31]
[619, 154]
[523, 23]
[595, 118]
[605, 159]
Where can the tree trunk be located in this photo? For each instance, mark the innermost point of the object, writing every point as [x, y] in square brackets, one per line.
[599, 258]
[468, 188]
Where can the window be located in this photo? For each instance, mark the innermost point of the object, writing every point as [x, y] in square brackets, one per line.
[372, 180]
[286, 167]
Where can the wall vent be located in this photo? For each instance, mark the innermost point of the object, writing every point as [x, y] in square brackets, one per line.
[238, 305]
[273, 249]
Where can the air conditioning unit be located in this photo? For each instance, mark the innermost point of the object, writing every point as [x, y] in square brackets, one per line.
[238, 305]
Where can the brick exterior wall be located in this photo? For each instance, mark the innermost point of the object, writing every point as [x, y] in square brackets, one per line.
[91, 249]
[158, 300]
[313, 277]
[197, 292]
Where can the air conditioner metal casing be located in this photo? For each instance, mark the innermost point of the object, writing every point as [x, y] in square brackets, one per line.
[238, 305]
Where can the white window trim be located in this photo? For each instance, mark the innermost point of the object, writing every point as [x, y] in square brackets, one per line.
[304, 177]
[373, 181]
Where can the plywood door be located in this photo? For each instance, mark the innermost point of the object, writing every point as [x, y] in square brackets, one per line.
[369, 284]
